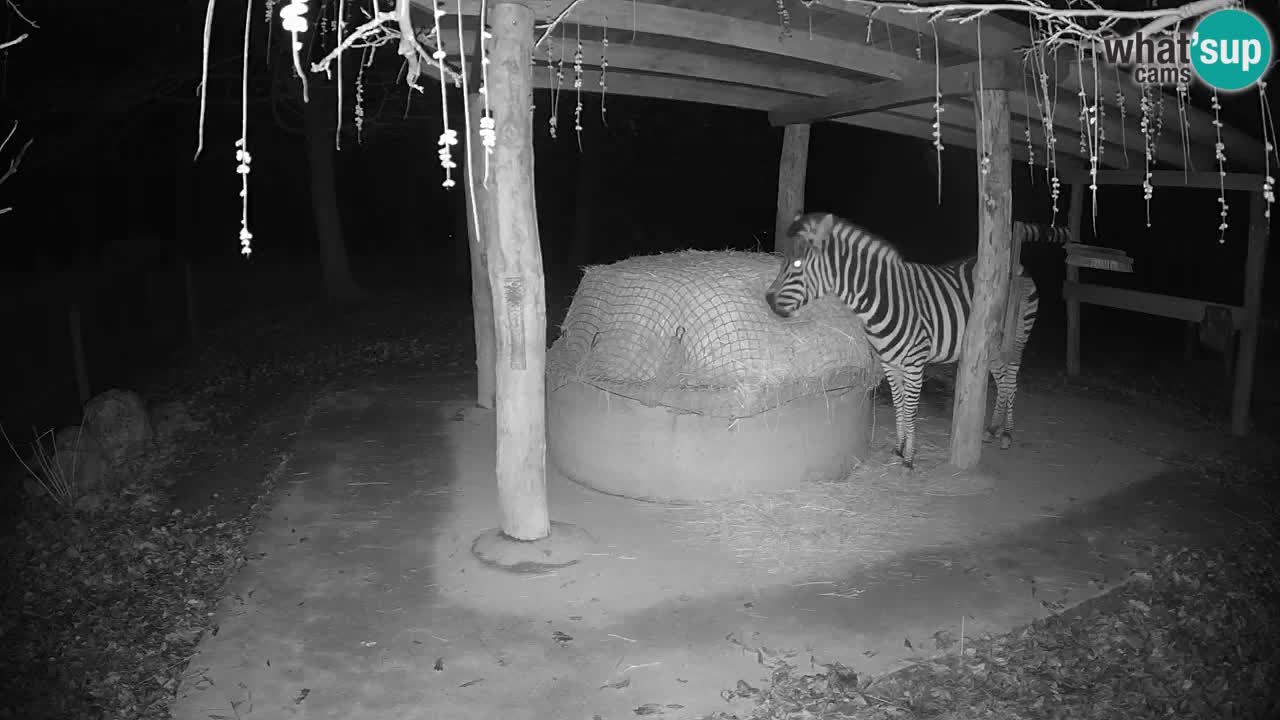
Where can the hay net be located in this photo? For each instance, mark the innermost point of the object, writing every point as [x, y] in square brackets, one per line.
[691, 330]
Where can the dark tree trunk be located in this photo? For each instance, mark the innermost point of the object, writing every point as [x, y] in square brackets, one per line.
[339, 285]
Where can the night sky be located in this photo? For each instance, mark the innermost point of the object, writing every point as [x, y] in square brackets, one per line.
[109, 94]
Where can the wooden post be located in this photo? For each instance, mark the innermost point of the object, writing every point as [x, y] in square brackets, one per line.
[516, 280]
[1075, 215]
[991, 278]
[793, 167]
[480, 209]
[1254, 266]
[1010, 317]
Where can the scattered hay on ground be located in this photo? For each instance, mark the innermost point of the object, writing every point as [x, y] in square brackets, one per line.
[820, 527]
[817, 528]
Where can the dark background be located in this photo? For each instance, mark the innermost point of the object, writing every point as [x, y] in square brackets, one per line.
[109, 196]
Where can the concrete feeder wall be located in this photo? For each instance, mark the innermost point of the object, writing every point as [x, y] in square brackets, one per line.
[620, 446]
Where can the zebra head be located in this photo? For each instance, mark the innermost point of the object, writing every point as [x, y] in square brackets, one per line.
[803, 246]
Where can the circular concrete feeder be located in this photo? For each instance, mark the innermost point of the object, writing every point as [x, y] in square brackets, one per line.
[620, 446]
[673, 381]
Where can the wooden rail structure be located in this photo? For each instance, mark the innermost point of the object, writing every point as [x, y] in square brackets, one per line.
[1245, 318]
[833, 61]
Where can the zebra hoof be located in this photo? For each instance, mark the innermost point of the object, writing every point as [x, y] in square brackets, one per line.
[1006, 441]
[987, 436]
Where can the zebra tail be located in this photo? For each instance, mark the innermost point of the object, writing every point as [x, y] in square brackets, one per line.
[1041, 233]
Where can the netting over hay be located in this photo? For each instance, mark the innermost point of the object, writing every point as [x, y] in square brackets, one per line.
[691, 331]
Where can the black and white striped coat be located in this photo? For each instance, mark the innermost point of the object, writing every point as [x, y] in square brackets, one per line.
[914, 314]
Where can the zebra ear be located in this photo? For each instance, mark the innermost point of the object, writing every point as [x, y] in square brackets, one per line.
[824, 227]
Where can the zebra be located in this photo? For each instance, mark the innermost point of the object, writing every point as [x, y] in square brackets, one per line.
[914, 314]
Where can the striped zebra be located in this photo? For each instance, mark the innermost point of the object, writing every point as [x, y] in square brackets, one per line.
[914, 314]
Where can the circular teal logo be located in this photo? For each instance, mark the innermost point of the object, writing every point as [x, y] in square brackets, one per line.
[1231, 49]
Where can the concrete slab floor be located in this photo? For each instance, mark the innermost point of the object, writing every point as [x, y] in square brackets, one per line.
[365, 602]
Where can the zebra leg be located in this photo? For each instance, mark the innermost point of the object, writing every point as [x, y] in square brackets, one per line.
[1009, 388]
[994, 429]
[895, 390]
[912, 380]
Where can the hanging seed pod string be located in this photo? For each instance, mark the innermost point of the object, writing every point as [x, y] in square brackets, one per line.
[242, 145]
[555, 95]
[577, 86]
[985, 165]
[358, 111]
[339, 26]
[488, 130]
[1269, 147]
[919, 51]
[1100, 107]
[1220, 154]
[1026, 129]
[449, 137]
[1094, 129]
[1124, 142]
[1145, 125]
[293, 18]
[937, 106]
[270, 11]
[604, 70]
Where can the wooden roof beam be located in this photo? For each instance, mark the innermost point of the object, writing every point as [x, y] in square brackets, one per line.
[746, 98]
[961, 80]
[723, 30]
[999, 35]
[624, 57]
[1248, 182]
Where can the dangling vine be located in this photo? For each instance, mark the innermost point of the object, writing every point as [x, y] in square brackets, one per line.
[604, 69]
[488, 131]
[1220, 154]
[1269, 147]
[937, 107]
[577, 86]
[242, 144]
[1050, 28]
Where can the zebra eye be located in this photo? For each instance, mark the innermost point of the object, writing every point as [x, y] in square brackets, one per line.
[797, 263]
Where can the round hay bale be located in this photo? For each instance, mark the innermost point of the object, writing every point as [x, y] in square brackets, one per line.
[672, 380]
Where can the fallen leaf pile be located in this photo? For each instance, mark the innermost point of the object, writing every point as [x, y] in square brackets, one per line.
[1195, 636]
[100, 612]
[105, 609]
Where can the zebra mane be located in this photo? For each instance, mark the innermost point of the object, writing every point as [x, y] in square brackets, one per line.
[814, 230]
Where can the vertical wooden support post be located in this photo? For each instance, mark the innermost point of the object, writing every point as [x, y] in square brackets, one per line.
[516, 280]
[991, 278]
[1254, 266]
[1075, 216]
[793, 167]
[480, 227]
[1010, 317]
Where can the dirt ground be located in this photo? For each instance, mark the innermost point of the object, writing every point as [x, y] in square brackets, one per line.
[364, 600]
